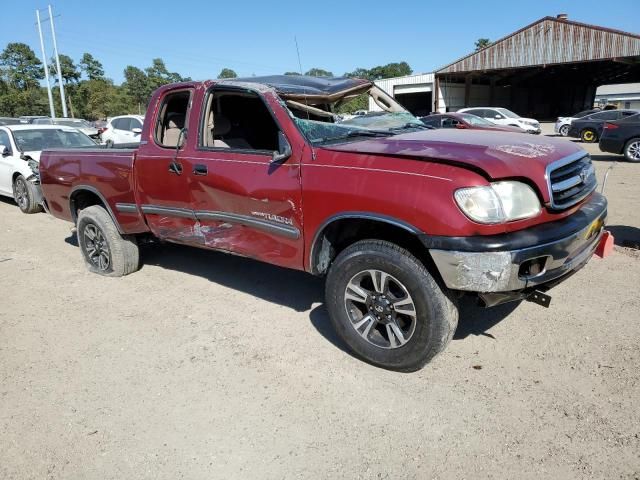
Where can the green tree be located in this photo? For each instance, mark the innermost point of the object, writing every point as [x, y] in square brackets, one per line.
[482, 43]
[70, 72]
[227, 73]
[158, 74]
[20, 67]
[137, 85]
[292, 73]
[91, 67]
[399, 69]
[319, 72]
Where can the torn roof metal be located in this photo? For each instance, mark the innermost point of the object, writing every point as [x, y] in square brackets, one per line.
[549, 41]
[303, 85]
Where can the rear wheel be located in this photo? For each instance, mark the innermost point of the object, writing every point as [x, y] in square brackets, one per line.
[387, 307]
[25, 194]
[564, 130]
[632, 150]
[105, 251]
[589, 136]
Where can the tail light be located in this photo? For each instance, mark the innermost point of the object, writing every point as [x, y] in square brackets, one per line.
[610, 126]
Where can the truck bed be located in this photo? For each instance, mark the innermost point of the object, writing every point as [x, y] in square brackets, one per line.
[105, 172]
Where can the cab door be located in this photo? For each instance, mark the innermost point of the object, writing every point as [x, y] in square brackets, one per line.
[245, 199]
[163, 170]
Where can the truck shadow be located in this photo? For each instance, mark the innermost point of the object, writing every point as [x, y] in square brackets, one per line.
[294, 289]
[289, 288]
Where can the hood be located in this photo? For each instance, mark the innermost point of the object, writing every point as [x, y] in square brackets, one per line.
[496, 154]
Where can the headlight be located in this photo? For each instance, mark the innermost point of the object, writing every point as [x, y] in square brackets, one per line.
[498, 202]
[34, 166]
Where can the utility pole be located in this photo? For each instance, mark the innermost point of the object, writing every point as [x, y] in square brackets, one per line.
[55, 50]
[46, 69]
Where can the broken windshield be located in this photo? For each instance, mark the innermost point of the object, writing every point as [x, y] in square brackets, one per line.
[326, 120]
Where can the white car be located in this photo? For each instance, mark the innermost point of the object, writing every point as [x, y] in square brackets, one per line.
[502, 116]
[79, 123]
[564, 123]
[20, 148]
[123, 129]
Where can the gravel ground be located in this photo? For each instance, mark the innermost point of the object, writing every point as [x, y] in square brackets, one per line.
[204, 365]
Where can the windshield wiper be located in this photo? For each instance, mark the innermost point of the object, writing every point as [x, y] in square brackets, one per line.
[368, 133]
[406, 126]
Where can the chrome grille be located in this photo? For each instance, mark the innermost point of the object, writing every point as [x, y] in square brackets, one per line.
[570, 180]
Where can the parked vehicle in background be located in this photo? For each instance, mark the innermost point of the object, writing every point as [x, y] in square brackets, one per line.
[30, 118]
[622, 137]
[465, 121]
[20, 148]
[400, 218]
[9, 121]
[123, 129]
[79, 123]
[502, 116]
[589, 128]
[562, 124]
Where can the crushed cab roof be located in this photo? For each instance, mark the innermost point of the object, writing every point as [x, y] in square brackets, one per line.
[306, 85]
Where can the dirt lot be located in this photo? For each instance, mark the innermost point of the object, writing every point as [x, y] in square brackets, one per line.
[204, 365]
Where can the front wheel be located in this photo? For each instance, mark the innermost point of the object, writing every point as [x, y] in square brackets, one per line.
[564, 130]
[25, 194]
[387, 307]
[632, 150]
[105, 251]
[589, 136]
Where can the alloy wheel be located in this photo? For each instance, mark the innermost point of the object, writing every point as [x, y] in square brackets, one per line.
[96, 247]
[633, 151]
[564, 130]
[20, 193]
[380, 309]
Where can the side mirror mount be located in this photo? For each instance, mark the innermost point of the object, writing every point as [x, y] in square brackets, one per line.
[5, 151]
[498, 117]
[284, 149]
[136, 131]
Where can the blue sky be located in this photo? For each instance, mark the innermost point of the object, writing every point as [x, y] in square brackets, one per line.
[198, 38]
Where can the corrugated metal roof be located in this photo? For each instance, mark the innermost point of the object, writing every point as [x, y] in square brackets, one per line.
[549, 41]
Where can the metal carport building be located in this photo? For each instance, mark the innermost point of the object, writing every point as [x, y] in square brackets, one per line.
[549, 68]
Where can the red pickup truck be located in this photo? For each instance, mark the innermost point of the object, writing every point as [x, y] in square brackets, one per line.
[400, 218]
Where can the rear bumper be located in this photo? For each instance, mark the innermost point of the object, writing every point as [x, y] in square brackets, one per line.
[521, 260]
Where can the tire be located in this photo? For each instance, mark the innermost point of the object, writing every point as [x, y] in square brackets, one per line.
[432, 314]
[104, 250]
[25, 194]
[632, 150]
[589, 135]
[564, 130]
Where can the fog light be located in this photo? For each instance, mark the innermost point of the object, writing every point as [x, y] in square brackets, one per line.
[532, 267]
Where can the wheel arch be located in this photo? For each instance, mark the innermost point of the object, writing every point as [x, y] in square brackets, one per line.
[339, 231]
[83, 196]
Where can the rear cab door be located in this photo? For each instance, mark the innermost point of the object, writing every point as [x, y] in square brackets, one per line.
[162, 170]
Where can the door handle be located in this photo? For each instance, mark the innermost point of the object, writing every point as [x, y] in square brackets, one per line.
[200, 169]
[175, 167]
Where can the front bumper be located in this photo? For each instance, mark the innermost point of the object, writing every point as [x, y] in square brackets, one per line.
[524, 259]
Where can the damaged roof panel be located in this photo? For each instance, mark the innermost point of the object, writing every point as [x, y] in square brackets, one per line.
[300, 85]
